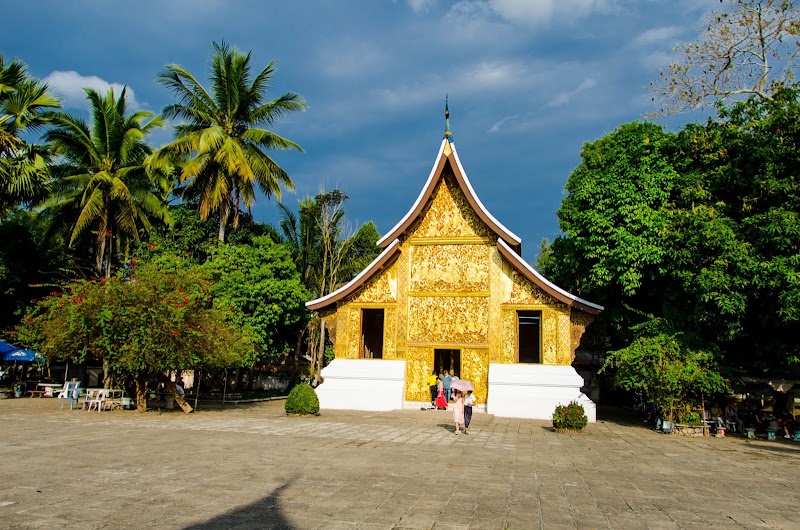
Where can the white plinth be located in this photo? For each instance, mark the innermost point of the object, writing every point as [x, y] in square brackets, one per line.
[362, 384]
[534, 390]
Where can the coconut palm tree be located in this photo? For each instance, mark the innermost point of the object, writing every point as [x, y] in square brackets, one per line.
[101, 184]
[24, 102]
[224, 150]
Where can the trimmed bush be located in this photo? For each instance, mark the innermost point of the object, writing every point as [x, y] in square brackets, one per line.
[571, 417]
[302, 400]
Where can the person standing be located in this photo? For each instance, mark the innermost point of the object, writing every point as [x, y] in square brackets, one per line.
[469, 402]
[458, 411]
[432, 384]
[446, 381]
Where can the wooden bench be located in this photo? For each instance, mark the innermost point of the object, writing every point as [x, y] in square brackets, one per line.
[36, 393]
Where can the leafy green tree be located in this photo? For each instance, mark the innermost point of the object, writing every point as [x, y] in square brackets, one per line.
[615, 217]
[24, 102]
[257, 288]
[101, 184]
[664, 367]
[157, 318]
[225, 152]
[325, 254]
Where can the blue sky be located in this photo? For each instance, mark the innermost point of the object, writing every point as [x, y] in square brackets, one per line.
[529, 82]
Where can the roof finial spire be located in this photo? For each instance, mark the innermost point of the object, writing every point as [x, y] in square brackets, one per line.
[447, 134]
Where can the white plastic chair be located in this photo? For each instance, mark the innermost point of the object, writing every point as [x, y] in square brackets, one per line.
[70, 393]
[99, 401]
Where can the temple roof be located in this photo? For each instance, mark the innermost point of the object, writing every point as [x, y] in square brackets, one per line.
[508, 243]
[447, 153]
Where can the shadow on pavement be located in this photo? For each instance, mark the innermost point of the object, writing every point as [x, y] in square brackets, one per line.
[264, 513]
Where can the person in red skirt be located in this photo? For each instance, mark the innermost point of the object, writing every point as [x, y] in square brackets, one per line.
[441, 403]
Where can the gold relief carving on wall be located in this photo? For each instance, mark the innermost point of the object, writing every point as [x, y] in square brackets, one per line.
[353, 332]
[419, 363]
[389, 333]
[508, 353]
[579, 321]
[495, 299]
[402, 299]
[380, 289]
[565, 355]
[342, 338]
[449, 214]
[524, 291]
[462, 268]
[445, 319]
[549, 337]
[475, 368]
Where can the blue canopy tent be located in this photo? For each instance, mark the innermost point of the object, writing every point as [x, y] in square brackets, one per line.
[6, 347]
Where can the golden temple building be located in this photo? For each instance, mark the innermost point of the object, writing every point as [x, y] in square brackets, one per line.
[450, 291]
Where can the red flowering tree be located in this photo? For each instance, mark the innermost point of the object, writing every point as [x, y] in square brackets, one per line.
[153, 319]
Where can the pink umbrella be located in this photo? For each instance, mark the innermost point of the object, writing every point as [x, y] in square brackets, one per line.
[461, 384]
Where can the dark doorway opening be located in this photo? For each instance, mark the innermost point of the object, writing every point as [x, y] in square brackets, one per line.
[530, 344]
[371, 334]
[449, 360]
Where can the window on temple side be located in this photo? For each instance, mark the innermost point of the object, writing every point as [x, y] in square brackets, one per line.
[371, 334]
[529, 347]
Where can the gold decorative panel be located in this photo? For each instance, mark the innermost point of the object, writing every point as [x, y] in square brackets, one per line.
[445, 319]
[549, 337]
[342, 336]
[475, 368]
[449, 214]
[508, 353]
[523, 291]
[380, 289]
[389, 333]
[353, 332]
[419, 363]
[462, 268]
[495, 299]
[564, 353]
[579, 321]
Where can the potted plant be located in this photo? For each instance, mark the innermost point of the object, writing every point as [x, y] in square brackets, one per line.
[570, 418]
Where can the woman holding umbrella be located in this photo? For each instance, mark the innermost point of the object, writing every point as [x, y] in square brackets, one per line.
[467, 401]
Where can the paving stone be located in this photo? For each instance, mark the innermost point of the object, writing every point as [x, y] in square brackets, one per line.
[251, 466]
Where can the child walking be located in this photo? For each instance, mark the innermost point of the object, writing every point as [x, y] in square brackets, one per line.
[458, 410]
[469, 402]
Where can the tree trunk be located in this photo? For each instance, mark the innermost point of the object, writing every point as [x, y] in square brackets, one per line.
[141, 393]
[108, 380]
[179, 399]
[224, 212]
[321, 352]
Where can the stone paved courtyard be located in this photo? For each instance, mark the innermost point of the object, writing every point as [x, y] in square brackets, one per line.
[253, 467]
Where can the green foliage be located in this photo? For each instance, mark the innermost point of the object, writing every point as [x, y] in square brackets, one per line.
[223, 155]
[689, 417]
[101, 186]
[302, 400]
[257, 288]
[699, 228]
[663, 367]
[572, 417]
[156, 318]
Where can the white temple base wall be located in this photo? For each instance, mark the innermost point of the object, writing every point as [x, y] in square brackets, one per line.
[534, 390]
[363, 384]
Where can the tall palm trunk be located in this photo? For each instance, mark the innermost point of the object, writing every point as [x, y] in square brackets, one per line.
[224, 213]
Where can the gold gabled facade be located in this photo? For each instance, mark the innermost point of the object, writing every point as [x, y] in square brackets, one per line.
[450, 277]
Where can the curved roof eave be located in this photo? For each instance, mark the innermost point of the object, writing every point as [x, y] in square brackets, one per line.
[356, 282]
[472, 198]
[549, 287]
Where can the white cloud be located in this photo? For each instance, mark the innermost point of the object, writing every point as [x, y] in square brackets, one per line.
[655, 36]
[496, 126]
[69, 86]
[536, 12]
[562, 98]
[420, 5]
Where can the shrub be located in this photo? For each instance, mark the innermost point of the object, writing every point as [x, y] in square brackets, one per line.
[690, 417]
[571, 417]
[302, 400]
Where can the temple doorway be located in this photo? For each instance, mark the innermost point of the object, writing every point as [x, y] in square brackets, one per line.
[450, 360]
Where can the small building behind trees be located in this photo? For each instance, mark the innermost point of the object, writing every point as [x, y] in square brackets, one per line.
[450, 291]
